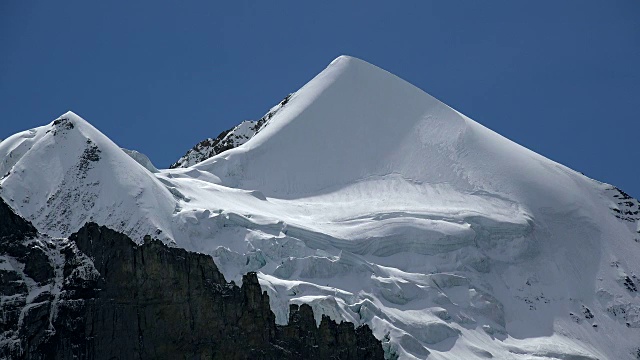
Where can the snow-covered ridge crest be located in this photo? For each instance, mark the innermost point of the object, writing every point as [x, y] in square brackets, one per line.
[376, 203]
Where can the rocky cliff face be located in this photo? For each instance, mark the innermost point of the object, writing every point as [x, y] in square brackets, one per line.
[98, 295]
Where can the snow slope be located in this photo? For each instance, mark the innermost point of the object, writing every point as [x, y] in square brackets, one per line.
[375, 203]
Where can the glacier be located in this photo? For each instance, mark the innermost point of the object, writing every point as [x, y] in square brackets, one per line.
[373, 202]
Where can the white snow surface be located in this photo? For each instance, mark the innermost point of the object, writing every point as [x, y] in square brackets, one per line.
[378, 204]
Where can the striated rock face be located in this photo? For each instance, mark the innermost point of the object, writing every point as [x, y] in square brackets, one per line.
[98, 295]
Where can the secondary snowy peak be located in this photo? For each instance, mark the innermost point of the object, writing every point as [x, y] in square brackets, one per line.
[61, 175]
[227, 139]
[341, 126]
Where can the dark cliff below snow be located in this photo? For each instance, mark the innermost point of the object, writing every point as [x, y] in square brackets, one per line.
[98, 295]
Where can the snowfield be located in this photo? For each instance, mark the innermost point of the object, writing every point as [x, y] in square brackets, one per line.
[375, 203]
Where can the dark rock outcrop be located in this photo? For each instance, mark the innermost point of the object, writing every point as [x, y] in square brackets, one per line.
[14, 230]
[628, 208]
[13, 226]
[23, 264]
[227, 139]
[109, 298]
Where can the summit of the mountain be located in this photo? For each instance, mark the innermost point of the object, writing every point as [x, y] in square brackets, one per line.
[355, 121]
[373, 202]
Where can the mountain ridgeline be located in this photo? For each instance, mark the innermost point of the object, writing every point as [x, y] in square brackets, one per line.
[98, 295]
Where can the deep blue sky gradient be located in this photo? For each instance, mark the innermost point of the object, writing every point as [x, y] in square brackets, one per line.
[559, 77]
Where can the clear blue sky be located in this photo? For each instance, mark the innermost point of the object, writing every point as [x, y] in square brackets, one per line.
[559, 77]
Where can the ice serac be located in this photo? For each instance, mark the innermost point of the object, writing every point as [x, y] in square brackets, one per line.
[67, 173]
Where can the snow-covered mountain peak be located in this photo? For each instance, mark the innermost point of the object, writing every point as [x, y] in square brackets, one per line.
[66, 173]
[355, 121]
[345, 120]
